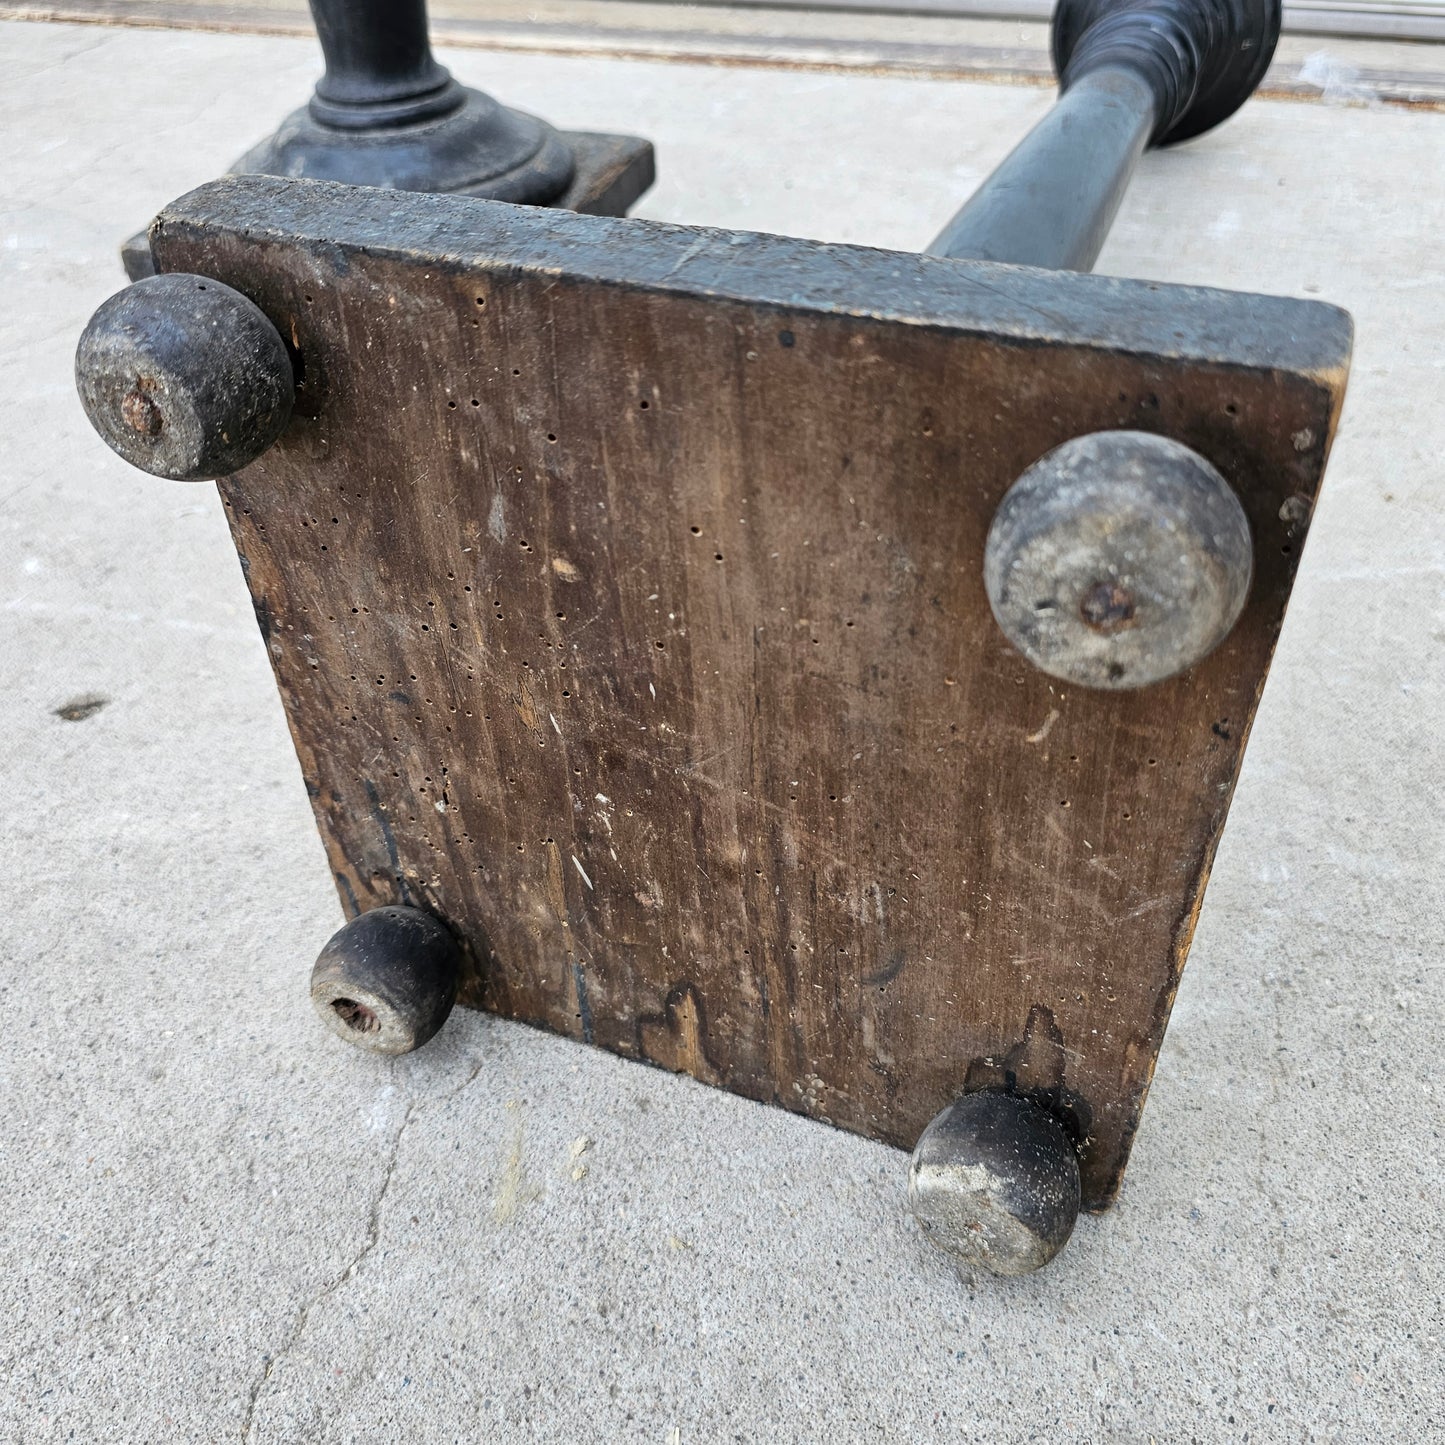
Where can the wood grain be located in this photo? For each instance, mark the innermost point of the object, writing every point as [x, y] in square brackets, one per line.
[623, 584]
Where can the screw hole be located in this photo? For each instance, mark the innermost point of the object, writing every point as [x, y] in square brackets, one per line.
[356, 1016]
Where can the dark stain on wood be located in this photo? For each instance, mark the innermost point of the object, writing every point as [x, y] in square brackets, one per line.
[676, 1037]
[654, 653]
[1036, 1067]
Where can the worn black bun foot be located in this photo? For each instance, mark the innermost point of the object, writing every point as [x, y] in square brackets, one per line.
[1204, 58]
[184, 377]
[994, 1182]
[1118, 559]
[387, 980]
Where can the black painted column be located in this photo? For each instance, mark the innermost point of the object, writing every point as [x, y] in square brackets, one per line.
[1132, 74]
[1053, 199]
[387, 114]
[379, 65]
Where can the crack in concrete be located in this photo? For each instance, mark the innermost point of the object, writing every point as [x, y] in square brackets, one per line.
[373, 1237]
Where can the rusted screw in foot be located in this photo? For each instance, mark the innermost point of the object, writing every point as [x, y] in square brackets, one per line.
[1107, 607]
[141, 413]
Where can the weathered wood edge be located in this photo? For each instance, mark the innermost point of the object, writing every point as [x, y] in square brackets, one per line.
[1184, 323]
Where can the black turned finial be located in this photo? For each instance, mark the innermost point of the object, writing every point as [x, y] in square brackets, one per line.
[1202, 58]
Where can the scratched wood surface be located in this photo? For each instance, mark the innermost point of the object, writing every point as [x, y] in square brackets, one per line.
[623, 584]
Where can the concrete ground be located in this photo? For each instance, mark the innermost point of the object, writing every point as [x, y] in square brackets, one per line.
[217, 1222]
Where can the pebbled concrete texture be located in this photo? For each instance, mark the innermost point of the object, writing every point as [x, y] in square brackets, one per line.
[221, 1224]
